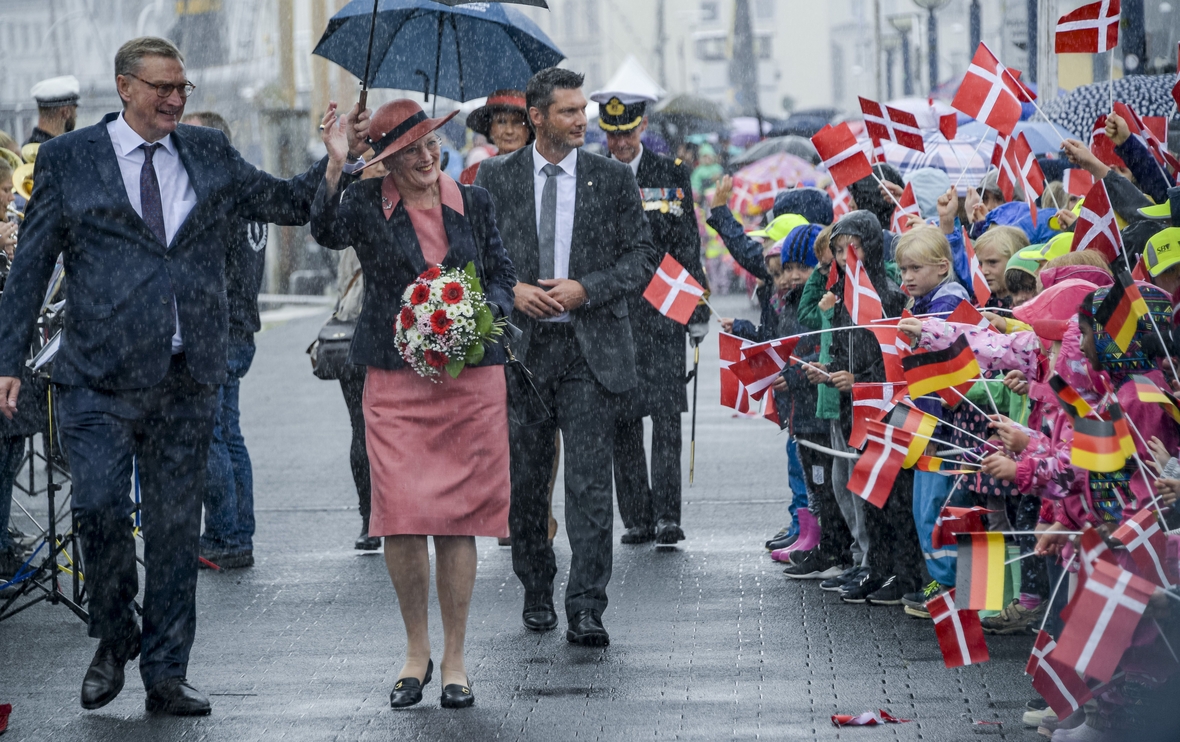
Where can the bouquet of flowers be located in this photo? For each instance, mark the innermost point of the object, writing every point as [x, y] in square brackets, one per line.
[445, 322]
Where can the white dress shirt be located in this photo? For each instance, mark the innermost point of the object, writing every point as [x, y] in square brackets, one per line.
[177, 197]
[567, 189]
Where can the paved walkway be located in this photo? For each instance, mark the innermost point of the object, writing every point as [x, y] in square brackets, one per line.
[709, 641]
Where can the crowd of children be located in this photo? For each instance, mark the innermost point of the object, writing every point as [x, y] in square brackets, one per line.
[1047, 330]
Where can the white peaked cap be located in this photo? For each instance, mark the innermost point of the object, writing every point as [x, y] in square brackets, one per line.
[62, 90]
[630, 84]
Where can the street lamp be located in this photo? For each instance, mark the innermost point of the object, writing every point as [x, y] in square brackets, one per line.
[904, 25]
[932, 36]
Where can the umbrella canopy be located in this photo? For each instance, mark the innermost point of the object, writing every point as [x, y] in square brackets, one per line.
[755, 186]
[692, 106]
[460, 53]
[799, 146]
[1041, 135]
[950, 157]
[534, 3]
[1149, 95]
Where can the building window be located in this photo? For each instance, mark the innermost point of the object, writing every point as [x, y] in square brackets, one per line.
[709, 10]
[712, 47]
[764, 46]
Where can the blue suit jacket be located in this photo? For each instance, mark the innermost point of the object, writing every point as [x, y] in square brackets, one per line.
[121, 279]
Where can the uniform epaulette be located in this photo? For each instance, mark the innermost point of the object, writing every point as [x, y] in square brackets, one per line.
[678, 162]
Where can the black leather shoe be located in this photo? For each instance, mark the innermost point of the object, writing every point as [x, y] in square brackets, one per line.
[585, 628]
[174, 696]
[365, 542]
[408, 691]
[669, 532]
[539, 613]
[104, 677]
[455, 696]
[637, 535]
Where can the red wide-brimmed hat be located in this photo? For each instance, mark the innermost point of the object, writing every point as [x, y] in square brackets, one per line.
[398, 124]
[480, 120]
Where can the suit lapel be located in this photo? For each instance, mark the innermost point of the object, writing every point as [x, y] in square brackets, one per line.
[198, 177]
[102, 154]
[402, 231]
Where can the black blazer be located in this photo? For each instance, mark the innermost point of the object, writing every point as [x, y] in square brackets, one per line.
[611, 254]
[118, 327]
[391, 259]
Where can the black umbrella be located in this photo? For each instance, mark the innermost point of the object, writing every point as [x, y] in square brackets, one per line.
[1077, 110]
[792, 145]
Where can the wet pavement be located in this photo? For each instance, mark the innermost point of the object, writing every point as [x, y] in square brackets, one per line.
[709, 640]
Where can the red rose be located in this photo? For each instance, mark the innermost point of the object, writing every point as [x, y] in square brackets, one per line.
[440, 322]
[435, 359]
[452, 293]
[420, 295]
[431, 274]
[407, 317]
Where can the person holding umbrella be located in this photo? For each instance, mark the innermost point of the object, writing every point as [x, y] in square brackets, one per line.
[503, 120]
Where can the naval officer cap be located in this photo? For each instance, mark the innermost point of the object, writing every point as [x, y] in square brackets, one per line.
[620, 111]
[56, 92]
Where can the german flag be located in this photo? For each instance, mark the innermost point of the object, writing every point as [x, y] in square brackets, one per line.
[938, 465]
[980, 583]
[918, 424]
[1149, 392]
[1120, 311]
[1096, 445]
[1069, 398]
[1126, 442]
[939, 370]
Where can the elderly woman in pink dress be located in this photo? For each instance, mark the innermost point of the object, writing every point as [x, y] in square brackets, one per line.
[438, 450]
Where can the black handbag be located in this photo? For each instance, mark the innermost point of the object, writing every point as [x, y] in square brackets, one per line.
[329, 352]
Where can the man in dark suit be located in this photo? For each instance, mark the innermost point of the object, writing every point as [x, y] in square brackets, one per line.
[141, 210]
[574, 228]
[653, 510]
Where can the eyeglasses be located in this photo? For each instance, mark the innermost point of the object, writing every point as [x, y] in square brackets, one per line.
[166, 89]
[430, 146]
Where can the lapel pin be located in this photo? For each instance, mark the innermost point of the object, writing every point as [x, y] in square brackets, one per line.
[589, 182]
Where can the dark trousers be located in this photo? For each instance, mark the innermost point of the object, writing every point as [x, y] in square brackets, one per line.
[893, 538]
[584, 411]
[641, 504]
[229, 485]
[352, 384]
[835, 539]
[166, 430]
[1034, 579]
[12, 452]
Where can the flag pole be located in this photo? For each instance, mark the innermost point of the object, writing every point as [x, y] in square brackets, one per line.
[968, 165]
[692, 441]
[1110, 80]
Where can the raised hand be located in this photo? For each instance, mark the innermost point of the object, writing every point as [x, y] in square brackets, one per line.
[334, 135]
[358, 130]
[722, 193]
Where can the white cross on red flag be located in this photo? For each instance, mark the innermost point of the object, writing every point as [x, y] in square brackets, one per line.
[762, 363]
[1105, 612]
[1091, 29]
[966, 314]
[1092, 549]
[1141, 131]
[673, 292]
[1102, 147]
[1147, 545]
[985, 95]
[893, 348]
[1077, 181]
[960, 636]
[733, 391]
[841, 202]
[889, 124]
[1020, 167]
[909, 206]
[871, 402]
[860, 298]
[875, 471]
[978, 280]
[841, 154]
[1096, 228]
[1058, 684]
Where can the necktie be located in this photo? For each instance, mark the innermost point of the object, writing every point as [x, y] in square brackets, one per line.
[547, 234]
[149, 194]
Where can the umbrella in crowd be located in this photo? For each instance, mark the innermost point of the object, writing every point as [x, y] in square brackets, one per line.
[1042, 137]
[1149, 95]
[949, 157]
[460, 53]
[755, 186]
[799, 146]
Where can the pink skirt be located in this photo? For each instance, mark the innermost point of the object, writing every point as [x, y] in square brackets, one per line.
[438, 453]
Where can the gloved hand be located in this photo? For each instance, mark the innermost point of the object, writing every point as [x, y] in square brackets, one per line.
[697, 332]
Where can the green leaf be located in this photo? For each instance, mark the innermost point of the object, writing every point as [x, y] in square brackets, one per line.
[469, 269]
[455, 366]
[483, 320]
[474, 354]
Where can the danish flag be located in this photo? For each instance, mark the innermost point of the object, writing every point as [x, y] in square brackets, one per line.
[889, 124]
[978, 281]
[949, 125]
[877, 157]
[986, 95]
[871, 402]
[969, 315]
[1141, 131]
[1020, 167]
[1058, 684]
[1146, 544]
[673, 292]
[762, 363]
[1001, 146]
[1077, 181]
[1106, 611]
[733, 391]
[909, 205]
[1101, 145]
[1091, 29]
[860, 298]
[1092, 549]
[1096, 228]
[894, 347]
[841, 202]
[876, 469]
[960, 635]
[841, 154]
